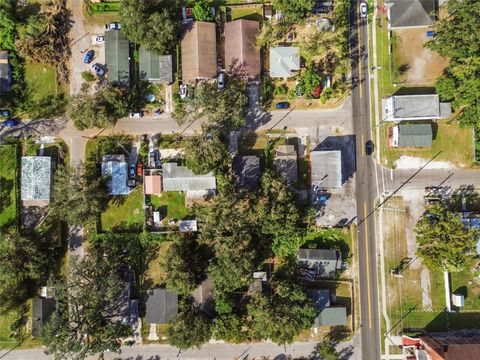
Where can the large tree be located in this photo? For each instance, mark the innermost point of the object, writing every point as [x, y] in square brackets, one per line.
[154, 25]
[191, 328]
[294, 11]
[456, 38]
[443, 241]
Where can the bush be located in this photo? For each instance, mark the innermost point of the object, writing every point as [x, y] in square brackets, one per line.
[88, 76]
[291, 95]
[281, 90]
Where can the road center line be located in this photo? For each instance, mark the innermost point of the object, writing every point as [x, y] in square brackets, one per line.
[368, 267]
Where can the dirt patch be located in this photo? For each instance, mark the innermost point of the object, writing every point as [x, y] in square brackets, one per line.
[416, 64]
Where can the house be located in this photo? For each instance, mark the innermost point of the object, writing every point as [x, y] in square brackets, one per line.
[240, 50]
[326, 169]
[324, 262]
[415, 107]
[181, 178]
[199, 52]
[42, 309]
[441, 347]
[203, 296]
[284, 61]
[154, 67]
[117, 59]
[412, 135]
[115, 167]
[152, 184]
[36, 179]
[126, 308]
[286, 163]
[246, 170]
[161, 306]
[5, 73]
[187, 225]
[410, 13]
[327, 315]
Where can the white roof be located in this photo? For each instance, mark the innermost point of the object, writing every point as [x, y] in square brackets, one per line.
[326, 168]
[36, 178]
[284, 60]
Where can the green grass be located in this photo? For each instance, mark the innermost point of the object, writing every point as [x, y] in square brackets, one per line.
[171, 205]
[124, 212]
[330, 238]
[248, 13]
[5, 322]
[464, 283]
[41, 80]
[105, 7]
[8, 185]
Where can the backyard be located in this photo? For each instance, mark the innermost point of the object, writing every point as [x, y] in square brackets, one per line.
[171, 205]
[8, 185]
[124, 212]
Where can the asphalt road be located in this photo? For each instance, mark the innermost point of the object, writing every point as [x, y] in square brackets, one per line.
[366, 189]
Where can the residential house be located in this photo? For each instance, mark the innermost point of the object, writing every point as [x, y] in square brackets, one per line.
[246, 170]
[117, 59]
[233, 142]
[240, 50]
[324, 262]
[284, 61]
[412, 135]
[5, 73]
[181, 178]
[286, 163]
[415, 107]
[410, 13]
[187, 226]
[36, 179]
[161, 306]
[199, 52]
[328, 315]
[154, 67]
[42, 309]
[441, 347]
[326, 169]
[115, 167]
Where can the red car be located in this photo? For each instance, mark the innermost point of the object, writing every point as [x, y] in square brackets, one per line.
[317, 92]
[139, 169]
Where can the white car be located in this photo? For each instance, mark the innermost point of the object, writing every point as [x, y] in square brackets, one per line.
[113, 26]
[183, 91]
[363, 10]
[99, 70]
[98, 39]
[135, 114]
[221, 80]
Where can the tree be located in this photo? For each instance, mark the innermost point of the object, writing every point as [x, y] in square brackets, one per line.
[310, 80]
[88, 76]
[315, 44]
[155, 25]
[229, 328]
[76, 200]
[88, 319]
[443, 241]
[294, 11]
[191, 328]
[99, 110]
[326, 351]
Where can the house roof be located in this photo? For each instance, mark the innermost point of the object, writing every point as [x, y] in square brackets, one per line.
[324, 261]
[451, 347]
[246, 170]
[286, 163]
[115, 166]
[283, 61]
[321, 297]
[233, 142]
[5, 74]
[203, 295]
[326, 168]
[155, 67]
[411, 13]
[332, 316]
[117, 58]
[415, 107]
[199, 52]
[414, 135]
[181, 178]
[187, 225]
[36, 178]
[152, 184]
[42, 309]
[240, 50]
[161, 306]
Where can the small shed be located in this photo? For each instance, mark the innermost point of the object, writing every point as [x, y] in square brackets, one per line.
[458, 300]
[187, 225]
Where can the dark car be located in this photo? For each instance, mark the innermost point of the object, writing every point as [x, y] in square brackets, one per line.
[132, 170]
[89, 57]
[282, 105]
[10, 123]
[369, 147]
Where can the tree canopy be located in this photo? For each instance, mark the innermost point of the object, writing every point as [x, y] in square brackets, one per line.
[443, 241]
[191, 328]
[294, 10]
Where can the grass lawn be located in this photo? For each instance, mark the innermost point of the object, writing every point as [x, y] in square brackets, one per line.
[248, 13]
[465, 283]
[171, 205]
[125, 212]
[170, 142]
[5, 322]
[41, 80]
[8, 185]
[330, 238]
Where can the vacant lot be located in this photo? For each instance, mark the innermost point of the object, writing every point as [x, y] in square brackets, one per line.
[125, 212]
[41, 80]
[8, 185]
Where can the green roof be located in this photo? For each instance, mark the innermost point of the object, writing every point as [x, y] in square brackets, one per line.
[415, 135]
[116, 58]
[332, 316]
[155, 67]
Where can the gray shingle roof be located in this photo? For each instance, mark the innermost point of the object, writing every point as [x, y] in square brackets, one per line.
[321, 297]
[414, 107]
[36, 178]
[161, 306]
[411, 13]
[155, 67]
[42, 309]
[284, 60]
[332, 316]
[5, 74]
[246, 170]
[326, 168]
[324, 261]
[414, 135]
[286, 163]
[116, 58]
[180, 178]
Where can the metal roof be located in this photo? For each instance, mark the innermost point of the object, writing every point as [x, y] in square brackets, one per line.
[5, 74]
[161, 306]
[410, 13]
[155, 67]
[326, 168]
[246, 170]
[283, 61]
[414, 107]
[324, 261]
[332, 316]
[117, 58]
[180, 178]
[115, 166]
[415, 135]
[36, 178]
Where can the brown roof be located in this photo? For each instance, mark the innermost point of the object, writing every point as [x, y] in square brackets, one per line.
[153, 184]
[452, 347]
[240, 47]
[199, 52]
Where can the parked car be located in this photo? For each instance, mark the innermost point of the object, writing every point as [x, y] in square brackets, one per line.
[299, 89]
[98, 39]
[363, 10]
[183, 91]
[99, 70]
[369, 147]
[89, 57]
[327, 82]
[282, 105]
[10, 123]
[135, 114]
[318, 90]
[113, 26]
[139, 169]
[5, 114]
[131, 170]
[221, 80]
